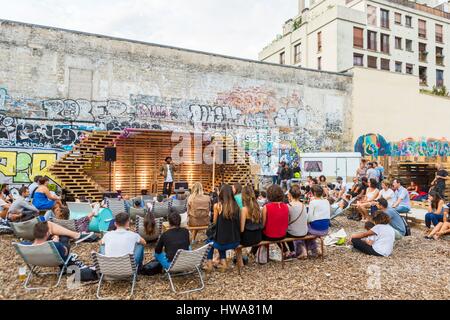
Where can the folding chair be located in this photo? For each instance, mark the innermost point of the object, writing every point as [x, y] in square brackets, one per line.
[136, 212]
[156, 233]
[161, 210]
[115, 269]
[186, 263]
[68, 224]
[179, 206]
[24, 230]
[42, 255]
[116, 206]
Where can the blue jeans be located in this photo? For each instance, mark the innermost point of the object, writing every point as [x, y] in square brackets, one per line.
[222, 249]
[402, 209]
[432, 218]
[162, 259]
[138, 253]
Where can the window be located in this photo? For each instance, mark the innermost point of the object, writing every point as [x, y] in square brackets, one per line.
[283, 58]
[398, 18]
[319, 63]
[385, 43]
[398, 43]
[439, 78]
[439, 33]
[423, 52]
[297, 53]
[422, 29]
[408, 45]
[423, 76]
[372, 62]
[372, 15]
[408, 21]
[398, 67]
[372, 40]
[319, 41]
[409, 68]
[358, 59]
[384, 18]
[358, 37]
[439, 56]
[385, 64]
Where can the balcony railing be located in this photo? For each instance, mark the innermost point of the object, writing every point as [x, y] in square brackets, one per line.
[440, 60]
[422, 7]
[423, 56]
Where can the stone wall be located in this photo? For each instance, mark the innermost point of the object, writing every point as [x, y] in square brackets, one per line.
[56, 84]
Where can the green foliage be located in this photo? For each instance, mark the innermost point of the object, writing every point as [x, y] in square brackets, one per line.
[440, 91]
[297, 23]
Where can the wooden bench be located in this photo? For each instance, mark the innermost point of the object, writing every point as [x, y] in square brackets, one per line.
[238, 250]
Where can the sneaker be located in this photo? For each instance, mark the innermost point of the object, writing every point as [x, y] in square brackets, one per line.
[5, 230]
[75, 262]
[84, 237]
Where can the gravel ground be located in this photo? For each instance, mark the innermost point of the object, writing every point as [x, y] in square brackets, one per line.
[419, 269]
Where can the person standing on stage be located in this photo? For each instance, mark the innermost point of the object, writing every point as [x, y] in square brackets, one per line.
[167, 171]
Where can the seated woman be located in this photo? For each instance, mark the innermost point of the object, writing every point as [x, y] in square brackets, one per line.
[275, 215]
[379, 241]
[298, 219]
[198, 208]
[319, 215]
[251, 220]
[443, 228]
[227, 235]
[413, 190]
[386, 192]
[174, 239]
[44, 200]
[363, 206]
[437, 208]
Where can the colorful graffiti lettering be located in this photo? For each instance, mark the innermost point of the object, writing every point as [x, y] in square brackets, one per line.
[423, 147]
[376, 145]
[22, 167]
[372, 145]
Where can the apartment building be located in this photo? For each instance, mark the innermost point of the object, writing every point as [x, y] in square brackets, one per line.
[393, 35]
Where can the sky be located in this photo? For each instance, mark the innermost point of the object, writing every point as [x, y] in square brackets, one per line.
[239, 28]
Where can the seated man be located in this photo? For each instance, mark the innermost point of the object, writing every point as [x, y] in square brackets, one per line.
[397, 222]
[122, 241]
[21, 209]
[42, 234]
[171, 241]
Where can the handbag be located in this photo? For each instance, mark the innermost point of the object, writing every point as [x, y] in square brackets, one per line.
[152, 268]
[261, 255]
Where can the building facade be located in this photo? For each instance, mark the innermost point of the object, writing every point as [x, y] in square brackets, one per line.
[391, 35]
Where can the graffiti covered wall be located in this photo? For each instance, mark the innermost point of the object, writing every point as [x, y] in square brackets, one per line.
[376, 145]
[273, 111]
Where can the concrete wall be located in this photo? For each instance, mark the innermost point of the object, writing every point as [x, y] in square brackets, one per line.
[391, 116]
[54, 84]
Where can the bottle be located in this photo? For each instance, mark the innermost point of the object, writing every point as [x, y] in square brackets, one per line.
[22, 273]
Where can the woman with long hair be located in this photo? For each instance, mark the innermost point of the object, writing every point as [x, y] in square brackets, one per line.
[366, 203]
[198, 208]
[43, 199]
[437, 210]
[251, 224]
[227, 222]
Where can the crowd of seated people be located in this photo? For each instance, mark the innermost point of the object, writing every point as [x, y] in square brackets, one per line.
[242, 216]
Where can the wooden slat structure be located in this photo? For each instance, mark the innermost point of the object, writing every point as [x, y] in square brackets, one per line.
[140, 155]
[421, 170]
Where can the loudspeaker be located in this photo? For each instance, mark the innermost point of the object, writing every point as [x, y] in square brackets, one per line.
[110, 154]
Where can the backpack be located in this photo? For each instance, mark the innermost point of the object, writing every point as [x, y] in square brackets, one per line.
[152, 268]
[261, 255]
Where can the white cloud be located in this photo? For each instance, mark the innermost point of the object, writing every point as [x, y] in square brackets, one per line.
[233, 27]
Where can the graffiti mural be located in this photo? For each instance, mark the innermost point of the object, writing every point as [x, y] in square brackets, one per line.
[254, 115]
[20, 166]
[376, 145]
[373, 145]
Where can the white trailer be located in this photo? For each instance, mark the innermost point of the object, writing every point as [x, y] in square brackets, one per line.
[330, 165]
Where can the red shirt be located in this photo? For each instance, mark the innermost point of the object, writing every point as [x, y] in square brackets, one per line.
[277, 220]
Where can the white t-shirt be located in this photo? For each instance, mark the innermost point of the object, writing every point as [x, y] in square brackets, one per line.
[319, 210]
[169, 174]
[385, 239]
[373, 174]
[120, 242]
[388, 195]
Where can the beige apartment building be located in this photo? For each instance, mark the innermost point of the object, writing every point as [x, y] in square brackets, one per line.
[399, 36]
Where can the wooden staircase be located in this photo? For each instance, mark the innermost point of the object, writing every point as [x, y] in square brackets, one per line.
[70, 169]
